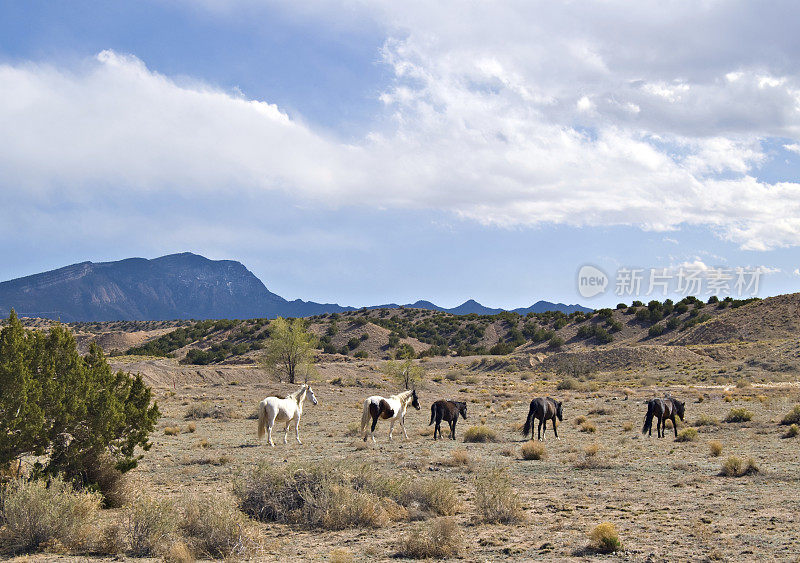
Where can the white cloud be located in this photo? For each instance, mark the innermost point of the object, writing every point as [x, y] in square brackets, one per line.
[504, 113]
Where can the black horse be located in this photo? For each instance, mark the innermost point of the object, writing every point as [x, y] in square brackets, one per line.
[662, 409]
[449, 411]
[543, 408]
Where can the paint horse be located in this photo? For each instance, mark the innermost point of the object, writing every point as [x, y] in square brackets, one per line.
[544, 409]
[661, 410]
[392, 408]
[273, 409]
[449, 411]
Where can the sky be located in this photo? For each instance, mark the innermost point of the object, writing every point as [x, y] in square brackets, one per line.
[373, 152]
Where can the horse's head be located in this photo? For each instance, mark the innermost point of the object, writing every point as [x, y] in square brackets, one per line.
[462, 408]
[311, 394]
[560, 410]
[680, 407]
[414, 399]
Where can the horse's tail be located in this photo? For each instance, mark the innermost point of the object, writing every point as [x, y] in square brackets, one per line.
[648, 419]
[528, 423]
[433, 414]
[262, 419]
[365, 417]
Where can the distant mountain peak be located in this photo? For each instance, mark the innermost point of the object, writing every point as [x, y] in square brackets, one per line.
[176, 286]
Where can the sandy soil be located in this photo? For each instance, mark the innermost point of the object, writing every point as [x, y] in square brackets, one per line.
[666, 498]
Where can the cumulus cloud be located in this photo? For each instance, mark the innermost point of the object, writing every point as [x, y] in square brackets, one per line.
[514, 113]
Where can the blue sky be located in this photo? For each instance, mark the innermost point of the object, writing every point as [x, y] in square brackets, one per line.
[368, 152]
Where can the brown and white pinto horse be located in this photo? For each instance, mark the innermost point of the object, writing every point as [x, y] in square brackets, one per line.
[392, 408]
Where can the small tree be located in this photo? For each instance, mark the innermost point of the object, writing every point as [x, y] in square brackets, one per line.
[406, 373]
[289, 352]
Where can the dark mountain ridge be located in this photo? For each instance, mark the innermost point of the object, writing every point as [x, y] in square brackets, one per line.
[177, 286]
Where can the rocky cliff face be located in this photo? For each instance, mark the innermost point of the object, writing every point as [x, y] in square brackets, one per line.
[178, 286]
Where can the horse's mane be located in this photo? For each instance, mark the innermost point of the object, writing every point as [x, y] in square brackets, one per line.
[297, 393]
[403, 396]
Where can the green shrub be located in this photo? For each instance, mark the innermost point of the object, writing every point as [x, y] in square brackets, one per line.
[555, 342]
[655, 330]
[605, 538]
[687, 435]
[792, 431]
[736, 467]
[739, 414]
[705, 420]
[793, 417]
[35, 512]
[567, 384]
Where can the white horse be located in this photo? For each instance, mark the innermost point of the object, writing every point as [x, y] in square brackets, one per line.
[393, 408]
[283, 410]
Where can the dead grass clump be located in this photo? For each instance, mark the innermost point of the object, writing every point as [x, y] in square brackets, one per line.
[793, 417]
[437, 495]
[687, 435]
[495, 499]
[705, 420]
[332, 496]
[353, 429]
[627, 427]
[204, 409]
[179, 552]
[112, 483]
[578, 420]
[736, 467]
[215, 528]
[600, 411]
[605, 538]
[589, 427]
[533, 450]
[440, 538]
[150, 526]
[715, 447]
[172, 430]
[739, 414]
[590, 459]
[341, 555]
[35, 513]
[480, 433]
[792, 431]
[190, 428]
[459, 457]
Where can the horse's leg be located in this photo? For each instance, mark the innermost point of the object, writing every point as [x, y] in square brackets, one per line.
[437, 427]
[271, 423]
[297, 430]
[453, 429]
[391, 429]
[286, 431]
[403, 426]
[675, 425]
[555, 429]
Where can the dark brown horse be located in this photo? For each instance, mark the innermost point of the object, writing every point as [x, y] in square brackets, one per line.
[662, 409]
[449, 411]
[543, 408]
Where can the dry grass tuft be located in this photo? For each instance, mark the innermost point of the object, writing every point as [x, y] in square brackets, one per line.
[190, 428]
[495, 499]
[736, 467]
[151, 525]
[438, 495]
[792, 431]
[705, 420]
[605, 538]
[341, 555]
[589, 427]
[440, 538]
[687, 435]
[627, 427]
[715, 448]
[179, 552]
[172, 430]
[215, 528]
[480, 433]
[739, 414]
[35, 513]
[459, 457]
[578, 420]
[205, 409]
[793, 417]
[533, 450]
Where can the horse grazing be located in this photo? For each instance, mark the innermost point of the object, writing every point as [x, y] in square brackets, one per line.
[662, 409]
[543, 408]
[449, 411]
[286, 410]
[392, 408]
